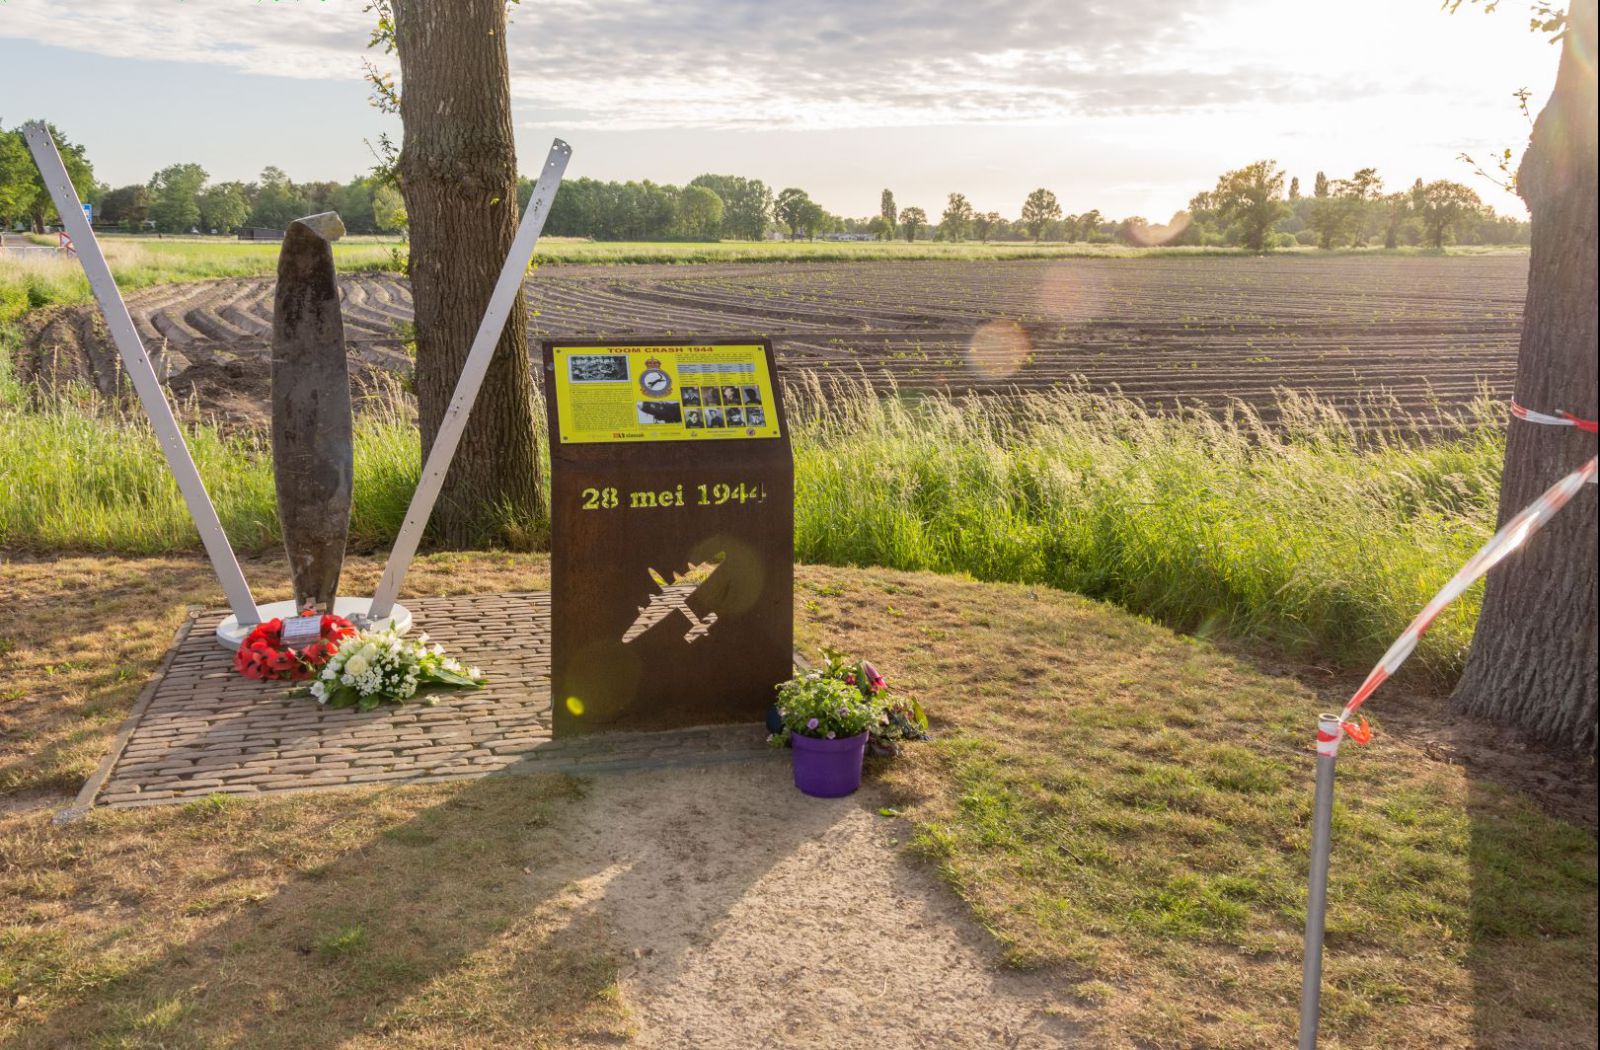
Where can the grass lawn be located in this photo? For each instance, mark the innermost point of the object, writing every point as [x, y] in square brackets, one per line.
[1124, 809]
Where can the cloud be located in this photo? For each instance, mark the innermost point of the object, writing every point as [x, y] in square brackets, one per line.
[745, 64]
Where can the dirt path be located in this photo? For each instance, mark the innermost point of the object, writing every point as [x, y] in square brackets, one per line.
[752, 916]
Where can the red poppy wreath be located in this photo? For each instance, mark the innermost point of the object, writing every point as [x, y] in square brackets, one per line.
[264, 657]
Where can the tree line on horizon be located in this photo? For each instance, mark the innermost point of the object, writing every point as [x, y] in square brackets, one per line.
[1258, 207]
[181, 198]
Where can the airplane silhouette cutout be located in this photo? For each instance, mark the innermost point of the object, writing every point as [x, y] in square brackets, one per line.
[674, 597]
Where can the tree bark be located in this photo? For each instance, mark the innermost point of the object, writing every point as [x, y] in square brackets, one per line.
[458, 173]
[1533, 658]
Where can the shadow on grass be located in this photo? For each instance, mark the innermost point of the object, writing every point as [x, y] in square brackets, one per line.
[1533, 916]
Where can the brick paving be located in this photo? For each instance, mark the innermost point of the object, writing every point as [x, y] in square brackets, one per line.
[203, 728]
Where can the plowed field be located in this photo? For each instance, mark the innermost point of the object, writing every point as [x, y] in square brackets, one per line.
[1428, 332]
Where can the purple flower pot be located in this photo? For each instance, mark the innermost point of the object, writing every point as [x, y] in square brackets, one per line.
[828, 768]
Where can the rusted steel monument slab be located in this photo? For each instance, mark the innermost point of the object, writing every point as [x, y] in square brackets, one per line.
[672, 546]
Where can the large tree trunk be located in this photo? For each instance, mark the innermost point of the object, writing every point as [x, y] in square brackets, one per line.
[458, 172]
[1533, 659]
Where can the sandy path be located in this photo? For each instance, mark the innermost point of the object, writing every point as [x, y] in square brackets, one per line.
[756, 917]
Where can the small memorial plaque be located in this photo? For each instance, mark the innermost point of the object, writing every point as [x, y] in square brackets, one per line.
[300, 631]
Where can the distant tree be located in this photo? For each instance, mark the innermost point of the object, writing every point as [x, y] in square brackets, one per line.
[879, 227]
[28, 196]
[1294, 188]
[320, 196]
[572, 213]
[1364, 187]
[790, 208]
[1396, 208]
[985, 224]
[1320, 189]
[1341, 214]
[1250, 200]
[1131, 230]
[1446, 206]
[1332, 214]
[702, 212]
[277, 202]
[175, 197]
[223, 207]
[388, 209]
[126, 206]
[1038, 211]
[656, 208]
[1082, 227]
[912, 220]
[814, 219]
[353, 202]
[746, 205]
[16, 178]
[957, 218]
[888, 212]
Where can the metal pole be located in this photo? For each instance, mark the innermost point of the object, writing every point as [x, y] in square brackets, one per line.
[143, 376]
[1329, 732]
[472, 373]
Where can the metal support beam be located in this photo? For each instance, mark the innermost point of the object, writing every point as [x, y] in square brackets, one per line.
[472, 373]
[1329, 732]
[137, 363]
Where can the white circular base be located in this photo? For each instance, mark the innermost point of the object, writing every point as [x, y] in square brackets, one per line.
[231, 635]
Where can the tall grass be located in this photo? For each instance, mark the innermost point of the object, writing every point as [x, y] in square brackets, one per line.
[1310, 533]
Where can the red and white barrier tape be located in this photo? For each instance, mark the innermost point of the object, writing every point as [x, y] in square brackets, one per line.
[1501, 545]
[1560, 419]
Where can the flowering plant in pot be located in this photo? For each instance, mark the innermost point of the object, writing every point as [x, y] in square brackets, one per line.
[827, 721]
[830, 713]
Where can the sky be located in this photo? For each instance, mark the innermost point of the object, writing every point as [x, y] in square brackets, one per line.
[1128, 106]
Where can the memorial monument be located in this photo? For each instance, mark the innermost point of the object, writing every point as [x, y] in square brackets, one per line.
[672, 534]
[313, 451]
[313, 456]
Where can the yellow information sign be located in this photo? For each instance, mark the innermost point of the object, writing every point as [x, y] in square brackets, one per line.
[660, 392]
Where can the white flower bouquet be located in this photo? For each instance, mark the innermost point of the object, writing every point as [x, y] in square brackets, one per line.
[377, 667]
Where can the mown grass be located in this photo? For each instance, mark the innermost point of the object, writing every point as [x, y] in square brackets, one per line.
[1308, 534]
[1123, 808]
[1128, 809]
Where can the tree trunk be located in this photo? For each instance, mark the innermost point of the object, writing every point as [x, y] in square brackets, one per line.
[458, 173]
[1533, 659]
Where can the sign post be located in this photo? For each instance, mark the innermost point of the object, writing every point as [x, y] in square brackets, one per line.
[672, 540]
